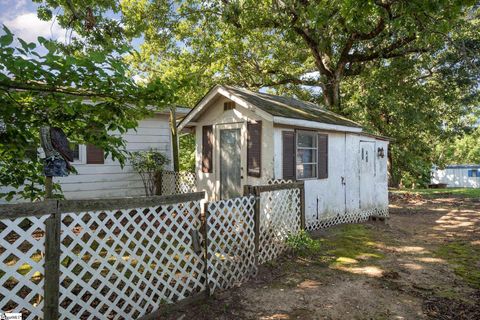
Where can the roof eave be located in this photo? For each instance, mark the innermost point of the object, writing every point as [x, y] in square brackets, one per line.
[315, 125]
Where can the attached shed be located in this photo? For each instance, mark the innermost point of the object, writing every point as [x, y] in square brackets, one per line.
[245, 137]
[458, 176]
[102, 177]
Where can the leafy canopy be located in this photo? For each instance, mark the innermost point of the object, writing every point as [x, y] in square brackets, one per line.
[87, 94]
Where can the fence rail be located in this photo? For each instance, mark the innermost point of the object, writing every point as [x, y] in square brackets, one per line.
[123, 258]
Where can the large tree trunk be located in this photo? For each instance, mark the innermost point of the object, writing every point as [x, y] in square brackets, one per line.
[331, 94]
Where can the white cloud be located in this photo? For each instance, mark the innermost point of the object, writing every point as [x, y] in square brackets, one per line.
[28, 27]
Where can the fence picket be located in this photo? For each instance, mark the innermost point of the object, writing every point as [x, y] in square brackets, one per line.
[122, 258]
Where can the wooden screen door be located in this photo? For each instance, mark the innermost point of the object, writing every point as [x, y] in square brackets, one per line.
[367, 174]
[230, 163]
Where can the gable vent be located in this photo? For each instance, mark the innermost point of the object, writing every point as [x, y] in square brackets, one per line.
[230, 105]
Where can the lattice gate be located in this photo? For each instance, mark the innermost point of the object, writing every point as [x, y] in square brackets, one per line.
[280, 212]
[123, 264]
[230, 242]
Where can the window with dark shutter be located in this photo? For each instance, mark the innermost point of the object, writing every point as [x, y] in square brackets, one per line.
[94, 154]
[322, 156]
[207, 149]
[254, 148]
[288, 163]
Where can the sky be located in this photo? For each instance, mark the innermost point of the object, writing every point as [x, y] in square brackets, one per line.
[20, 16]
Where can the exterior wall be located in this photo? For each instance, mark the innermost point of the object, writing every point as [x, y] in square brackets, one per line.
[456, 177]
[325, 198]
[219, 118]
[109, 179]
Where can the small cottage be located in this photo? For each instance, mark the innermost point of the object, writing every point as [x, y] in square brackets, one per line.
[102, 177]
[457, 176]
[245, 137]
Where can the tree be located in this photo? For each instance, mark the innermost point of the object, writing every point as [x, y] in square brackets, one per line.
[409, 60]
[88, 95]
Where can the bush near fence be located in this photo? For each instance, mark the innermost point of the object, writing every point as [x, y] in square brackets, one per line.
[124, 258]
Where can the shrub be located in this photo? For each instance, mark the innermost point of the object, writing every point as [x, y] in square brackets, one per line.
[148, 164]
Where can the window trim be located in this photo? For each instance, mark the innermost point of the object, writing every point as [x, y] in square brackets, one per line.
[315, 136]
[82, 155]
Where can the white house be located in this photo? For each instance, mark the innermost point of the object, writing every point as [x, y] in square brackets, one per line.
[102, 178]
[244, 137]
[458, 176]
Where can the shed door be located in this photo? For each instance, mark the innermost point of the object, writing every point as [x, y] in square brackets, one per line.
[367, 174]
[230, 163]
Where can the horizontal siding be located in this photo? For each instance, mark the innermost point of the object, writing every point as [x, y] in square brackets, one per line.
[110, 179]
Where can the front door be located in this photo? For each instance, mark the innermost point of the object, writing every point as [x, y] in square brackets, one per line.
[230, 163]
[367, 174]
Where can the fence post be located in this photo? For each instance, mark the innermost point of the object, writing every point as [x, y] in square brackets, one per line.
[256, 192]
[52, 265]
[302, 207]
[205, 241]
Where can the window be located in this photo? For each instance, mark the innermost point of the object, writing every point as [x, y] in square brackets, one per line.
[474, 173]
[306, 160]
[75, 151]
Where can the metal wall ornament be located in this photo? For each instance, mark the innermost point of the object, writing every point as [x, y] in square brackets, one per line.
[381, 152]
[57, 152]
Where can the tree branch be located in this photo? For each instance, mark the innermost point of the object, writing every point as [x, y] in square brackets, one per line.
[387, 52]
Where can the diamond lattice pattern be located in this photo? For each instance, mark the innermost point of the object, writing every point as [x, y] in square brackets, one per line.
[22, 252]
[178, 182]
[123, 264]
[231, 242]
[353, 216]
[279, 217]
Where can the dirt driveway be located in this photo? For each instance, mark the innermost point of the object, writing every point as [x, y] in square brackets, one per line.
[423, 264]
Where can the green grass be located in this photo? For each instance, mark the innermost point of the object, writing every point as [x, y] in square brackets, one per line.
[434, 193]
[349, 244]
[465, 259]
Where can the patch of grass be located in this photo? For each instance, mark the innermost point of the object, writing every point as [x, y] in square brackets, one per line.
[347, 245]
[437, 193]
[465, 259]
[350, 244]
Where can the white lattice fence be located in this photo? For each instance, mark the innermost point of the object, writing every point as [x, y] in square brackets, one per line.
[278, 181]
[231, 242]
[123, 264]
[178, 182]
[22, 243]
[354, 216]
[279, 217]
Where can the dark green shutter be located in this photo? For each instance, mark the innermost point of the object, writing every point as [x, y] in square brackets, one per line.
[288, 159]
[254, 148]
[207, 149]
[322, 156]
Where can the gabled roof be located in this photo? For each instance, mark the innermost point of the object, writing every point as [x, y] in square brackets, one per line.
[282, 110]
[288, 107]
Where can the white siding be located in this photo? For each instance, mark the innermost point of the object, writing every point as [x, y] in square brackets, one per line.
[456, 177]
[328, 197]
[110, 179]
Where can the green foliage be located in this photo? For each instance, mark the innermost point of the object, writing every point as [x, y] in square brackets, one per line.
[465, 258]
[462, 150]
[405, 69]
[187, 152]
[148, 164]
[303, 244]
[87, 94]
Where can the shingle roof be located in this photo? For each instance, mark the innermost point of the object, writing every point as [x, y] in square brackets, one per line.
[290, 107]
